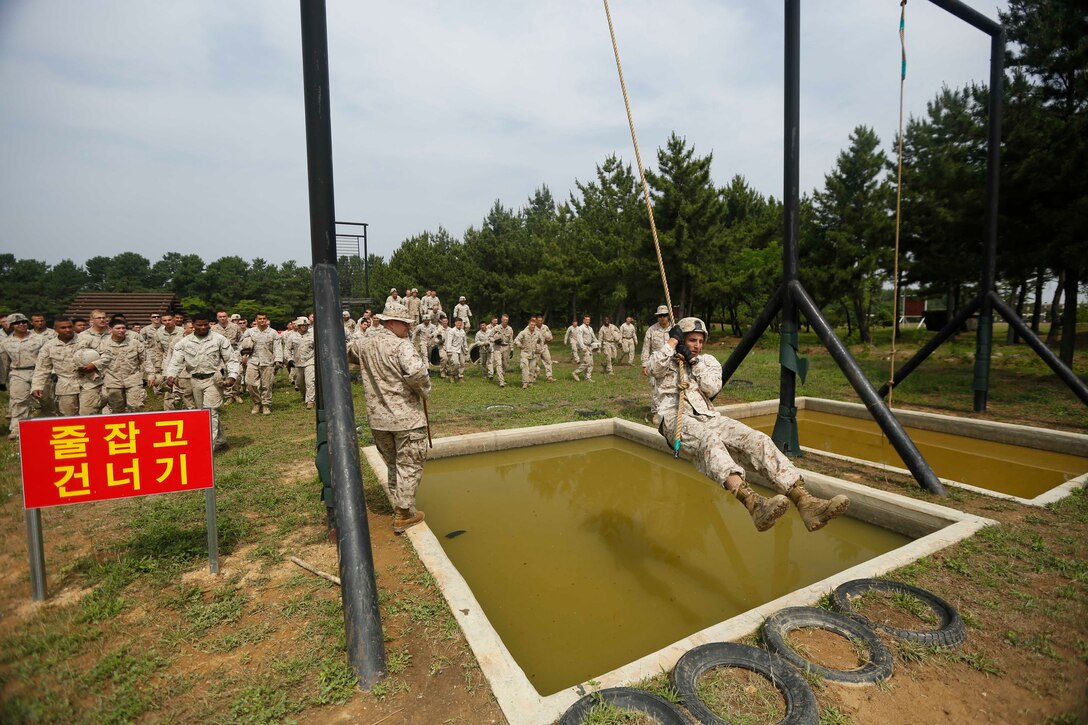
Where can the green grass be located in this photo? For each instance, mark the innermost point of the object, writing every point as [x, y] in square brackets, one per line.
[111, 655]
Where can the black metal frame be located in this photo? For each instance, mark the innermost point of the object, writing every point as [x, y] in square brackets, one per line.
[366, 251]
[358, 591]
[987, 299]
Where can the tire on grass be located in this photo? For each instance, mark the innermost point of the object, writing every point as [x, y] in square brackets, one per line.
[778, 626]
[801, 708]
[625, 698]
[950, 633]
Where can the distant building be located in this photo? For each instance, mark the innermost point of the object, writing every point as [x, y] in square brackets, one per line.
[137, 307]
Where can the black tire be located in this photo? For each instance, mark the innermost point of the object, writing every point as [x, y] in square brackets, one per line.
[625, 698]
[781, 623]
[950, 633]
[801, 708]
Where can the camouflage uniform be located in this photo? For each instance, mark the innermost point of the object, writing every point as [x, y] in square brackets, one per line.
[414, 307]
[290, 342]
[124, 377]
[261, 366]
[456, 352]
[482, 342]
[183, 382]
[609, 336]
[584, 340]
[506, 333]
[545, 353]
[303, 355]
[395, 384]
[48, 403]
[461, 311]
[164, 343]
[58, 358]
[628, 342]
[91, 399]
[569, 339]
[202, 358]
[530, 341]
[17, 359]
[423, 337]
[440, 335]
[719, 446]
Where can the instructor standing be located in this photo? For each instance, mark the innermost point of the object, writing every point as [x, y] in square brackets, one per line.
[396, 385]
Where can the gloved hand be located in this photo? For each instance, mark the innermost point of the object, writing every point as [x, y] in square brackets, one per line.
[685, 352]
[290, 365]
[677, 334]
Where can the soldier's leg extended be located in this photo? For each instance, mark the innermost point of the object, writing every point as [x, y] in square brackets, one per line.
[606, 357]
[703, 439]
[404, 453]
[757, 451]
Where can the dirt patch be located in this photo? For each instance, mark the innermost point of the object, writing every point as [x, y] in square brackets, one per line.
[825, 648]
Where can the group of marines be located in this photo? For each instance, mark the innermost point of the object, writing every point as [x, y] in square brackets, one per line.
[87, 367]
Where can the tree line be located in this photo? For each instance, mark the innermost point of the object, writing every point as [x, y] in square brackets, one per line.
[722, 246]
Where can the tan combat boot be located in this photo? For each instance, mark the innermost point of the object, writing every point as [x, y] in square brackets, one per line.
[816, 512]
[764, 511]
[255, 409]
[266, 410]
[404, 519]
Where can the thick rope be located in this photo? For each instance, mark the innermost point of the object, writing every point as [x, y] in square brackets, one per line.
[898, 199]
[683, 385]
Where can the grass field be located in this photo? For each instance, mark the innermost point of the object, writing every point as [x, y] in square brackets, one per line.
[135, 628]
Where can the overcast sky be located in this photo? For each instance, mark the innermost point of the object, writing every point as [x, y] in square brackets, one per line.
[128, 125]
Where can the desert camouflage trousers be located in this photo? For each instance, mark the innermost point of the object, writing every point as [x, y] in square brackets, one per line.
[528, 368]
[609, 354]
[628, 347]
[307, 383]
[545, 359]
[207, 396]
[585, 365]
[495, 364]
[259, 381]
[129, 399]
[721, 446]
[404, 452]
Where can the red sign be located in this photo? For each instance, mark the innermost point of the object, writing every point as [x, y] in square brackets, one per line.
[102, 457]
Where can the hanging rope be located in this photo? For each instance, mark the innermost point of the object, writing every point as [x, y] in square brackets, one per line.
[898, 198]
[683, 385]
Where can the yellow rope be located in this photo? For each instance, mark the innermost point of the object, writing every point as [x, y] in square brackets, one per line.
[653, 226]
[898, 199]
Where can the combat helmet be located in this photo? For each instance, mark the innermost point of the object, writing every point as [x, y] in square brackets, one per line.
[694, 324]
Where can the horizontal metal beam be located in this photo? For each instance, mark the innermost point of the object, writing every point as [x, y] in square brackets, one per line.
[969, 15]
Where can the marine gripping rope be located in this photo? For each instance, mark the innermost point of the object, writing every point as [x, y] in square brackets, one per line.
[683, 383]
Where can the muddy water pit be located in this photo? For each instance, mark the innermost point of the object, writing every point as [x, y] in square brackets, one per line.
[1010, 469]
[589, 554]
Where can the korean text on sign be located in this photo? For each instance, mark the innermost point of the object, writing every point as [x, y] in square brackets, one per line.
[101, 457]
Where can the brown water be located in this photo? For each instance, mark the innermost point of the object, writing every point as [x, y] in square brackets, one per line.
[590, 554]
[1009, 469]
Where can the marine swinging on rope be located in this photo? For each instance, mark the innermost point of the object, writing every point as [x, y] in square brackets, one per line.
[717, 443]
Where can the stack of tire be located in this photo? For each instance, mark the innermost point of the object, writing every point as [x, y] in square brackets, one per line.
[782, 665]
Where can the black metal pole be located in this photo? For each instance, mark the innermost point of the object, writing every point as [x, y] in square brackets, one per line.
[752, 336]
[1078, 386]
[950, 329]
[984, 340]
[784, 434]
[359, 593]
[898, 437]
